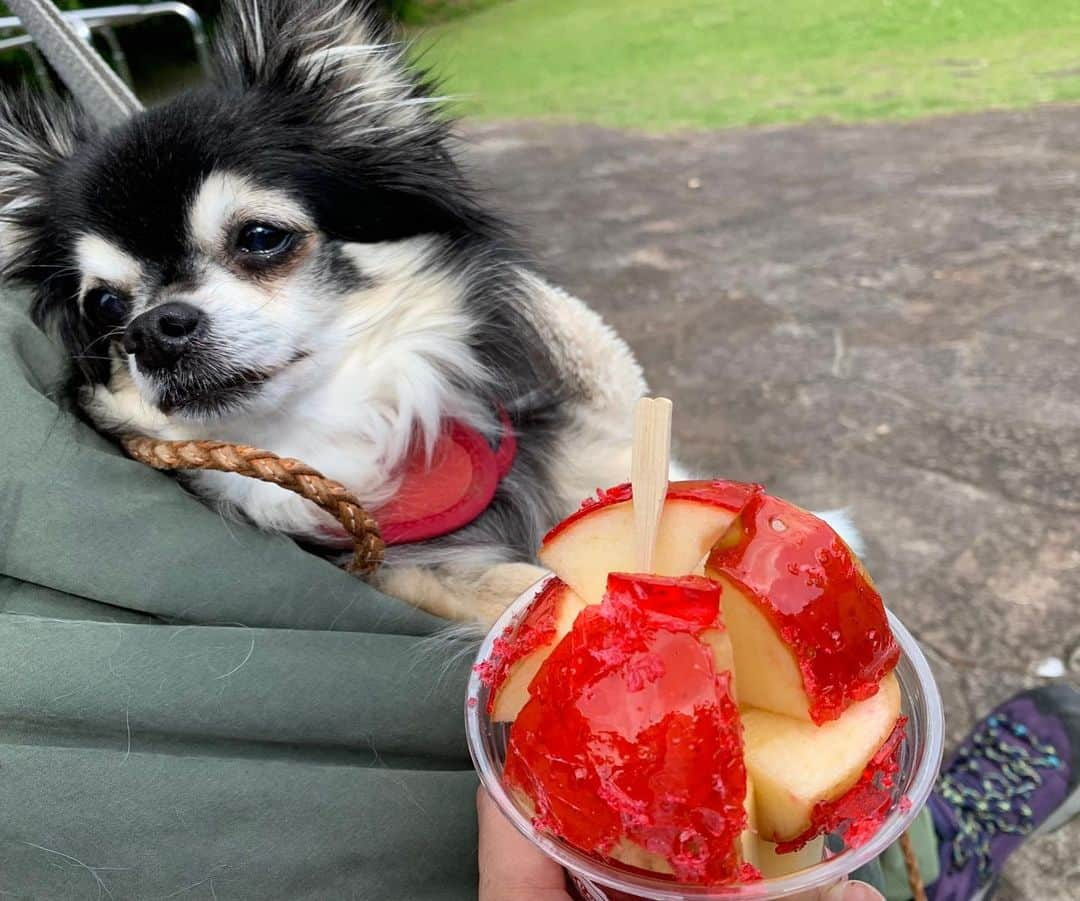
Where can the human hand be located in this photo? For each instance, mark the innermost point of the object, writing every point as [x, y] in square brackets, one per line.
[845, 891]
[513, 869]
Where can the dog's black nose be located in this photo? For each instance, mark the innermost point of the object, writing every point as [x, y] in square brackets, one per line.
[160, 337]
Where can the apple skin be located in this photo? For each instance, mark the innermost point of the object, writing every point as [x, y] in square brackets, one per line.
[599, 538]
[631, 738]
[804, 774]
[818, 598]
[714, 492]
[857, 814]
[524, 645]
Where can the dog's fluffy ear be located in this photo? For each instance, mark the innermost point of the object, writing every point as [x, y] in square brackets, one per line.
[37, 133]
[341, 53]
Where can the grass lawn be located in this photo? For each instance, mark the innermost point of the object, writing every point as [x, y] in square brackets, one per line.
[419, 12]
[660, 64]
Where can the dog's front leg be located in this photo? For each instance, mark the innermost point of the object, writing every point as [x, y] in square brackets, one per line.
[461, 594]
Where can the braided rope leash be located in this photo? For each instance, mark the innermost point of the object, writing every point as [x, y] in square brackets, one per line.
[241, 459]
[339, 502]
[918, 890]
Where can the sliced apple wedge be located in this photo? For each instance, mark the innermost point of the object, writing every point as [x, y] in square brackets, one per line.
[519, 652]
[809, 629]
[799, 769]
[748, 841]
[764, 855]
[632, 855]
[599, 538]
[630, 743]
[719, 640]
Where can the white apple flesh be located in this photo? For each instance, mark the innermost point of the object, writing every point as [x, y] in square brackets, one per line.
[550, 617]
[795, 764]
[810, 631]
[599, 538]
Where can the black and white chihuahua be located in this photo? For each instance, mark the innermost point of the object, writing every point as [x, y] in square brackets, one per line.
[291, 257]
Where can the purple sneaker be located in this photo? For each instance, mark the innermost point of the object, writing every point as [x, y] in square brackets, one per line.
[1016, 775]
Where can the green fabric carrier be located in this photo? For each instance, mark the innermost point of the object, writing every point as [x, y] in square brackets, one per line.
[194, 708]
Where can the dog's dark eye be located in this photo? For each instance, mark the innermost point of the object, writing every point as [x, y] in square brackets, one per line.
[264, 240]
[106, 307]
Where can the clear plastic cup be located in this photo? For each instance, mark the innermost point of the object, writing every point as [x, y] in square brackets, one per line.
[599, 880]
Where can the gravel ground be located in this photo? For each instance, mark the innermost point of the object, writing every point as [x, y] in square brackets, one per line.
[880, 316]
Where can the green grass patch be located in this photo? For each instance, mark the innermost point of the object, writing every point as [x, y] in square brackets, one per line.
[663, 64]
[424, 12]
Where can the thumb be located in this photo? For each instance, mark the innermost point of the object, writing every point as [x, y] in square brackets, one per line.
[511, 868]
[853, 891]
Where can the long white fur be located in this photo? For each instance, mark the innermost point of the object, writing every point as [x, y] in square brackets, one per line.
[369, 74]
[385, 365]
[226, 199]
[103, 264]
[22, 158]
[385, 362]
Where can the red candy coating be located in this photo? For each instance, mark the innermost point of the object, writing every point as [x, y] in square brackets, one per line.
[631, 734]
[719, 492]
[520, 638]
[858, 812]
[678, 604]
[818, 597]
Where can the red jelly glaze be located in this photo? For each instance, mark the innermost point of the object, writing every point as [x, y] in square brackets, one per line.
[858, 812]
[679, 604]
[531, 631]
[719, 492]
[630, 733]
[808, 583]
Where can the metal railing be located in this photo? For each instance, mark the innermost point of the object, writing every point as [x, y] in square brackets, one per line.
[103, 21]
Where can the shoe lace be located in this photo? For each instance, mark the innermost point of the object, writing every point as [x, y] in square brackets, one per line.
[989, 786]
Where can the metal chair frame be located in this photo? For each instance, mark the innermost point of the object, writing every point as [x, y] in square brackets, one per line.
[103, 21]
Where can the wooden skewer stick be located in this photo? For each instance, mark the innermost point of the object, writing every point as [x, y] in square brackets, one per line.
[649, 474]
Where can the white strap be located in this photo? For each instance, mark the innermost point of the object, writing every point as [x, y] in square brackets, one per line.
[98, 89]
